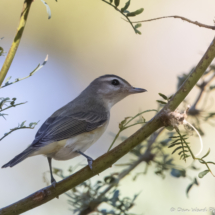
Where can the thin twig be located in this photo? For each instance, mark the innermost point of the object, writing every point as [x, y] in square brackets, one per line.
[179, 17]
[123, 127]
[127, 19]
[115, 138]
[12, 106]
[32, 73]
[14, 129]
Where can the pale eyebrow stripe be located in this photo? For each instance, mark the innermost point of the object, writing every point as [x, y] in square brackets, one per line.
[110, 79]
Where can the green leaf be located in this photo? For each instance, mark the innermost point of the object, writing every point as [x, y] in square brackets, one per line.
[176, 141]
[172, 137]
[163, 96]
[178, 173]
[1, 51]
[8, 79]
[177, 136]
[125, 7]
[188, 188]
[162, 102]
[47, 9]
[39, 66]
[22, 124]
[203, 173]
[33, 124]
[206, 153]
[195, 181]
[170, 146]
[170, 97]
[121, 124]
[184, 156]
[176, 149]
[137, 25]
[111, 1]
[3, 114]
[193, 167]
[137, 12]
[183, 151]
[170, 161]
[137, 32]
[116, 2]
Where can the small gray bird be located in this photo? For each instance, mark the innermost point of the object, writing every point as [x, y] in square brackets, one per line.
[72, 129]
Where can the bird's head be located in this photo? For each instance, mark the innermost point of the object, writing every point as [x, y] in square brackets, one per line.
[111, 89]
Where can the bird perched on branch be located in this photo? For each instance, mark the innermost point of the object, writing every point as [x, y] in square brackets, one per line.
[72, 129]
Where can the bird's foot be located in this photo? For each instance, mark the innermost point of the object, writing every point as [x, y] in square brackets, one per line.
[53, 182]
[89, 159]
[90, 162]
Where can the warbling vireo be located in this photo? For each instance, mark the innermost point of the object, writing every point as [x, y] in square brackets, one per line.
[72, 129]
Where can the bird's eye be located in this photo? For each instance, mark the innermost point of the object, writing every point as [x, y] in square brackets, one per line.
[115, 82]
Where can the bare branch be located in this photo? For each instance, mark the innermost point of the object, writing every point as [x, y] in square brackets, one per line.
[12, 106]
[21, 126]
[179, 17]
[7, 83]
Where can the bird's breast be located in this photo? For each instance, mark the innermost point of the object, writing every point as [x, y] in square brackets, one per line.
[80, 142]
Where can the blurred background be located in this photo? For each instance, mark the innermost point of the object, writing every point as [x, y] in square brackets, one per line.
[86, 39]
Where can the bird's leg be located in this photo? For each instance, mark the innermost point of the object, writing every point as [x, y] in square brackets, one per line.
[89, 159]
[50, 167]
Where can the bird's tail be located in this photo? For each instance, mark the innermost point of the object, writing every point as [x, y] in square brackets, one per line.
[20, 157]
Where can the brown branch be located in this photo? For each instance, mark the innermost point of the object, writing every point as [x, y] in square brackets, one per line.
[179, 17]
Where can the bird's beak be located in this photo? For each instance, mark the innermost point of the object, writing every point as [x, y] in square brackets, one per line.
[137, 90]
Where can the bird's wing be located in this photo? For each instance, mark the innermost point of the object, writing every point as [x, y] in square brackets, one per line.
[58, 128]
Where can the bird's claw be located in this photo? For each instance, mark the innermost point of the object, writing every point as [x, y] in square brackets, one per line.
[90, 162]
[89, 159]
[53, 183]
